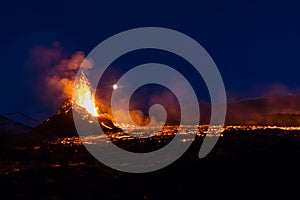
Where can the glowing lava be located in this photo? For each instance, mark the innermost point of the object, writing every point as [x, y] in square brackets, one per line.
[83, 96]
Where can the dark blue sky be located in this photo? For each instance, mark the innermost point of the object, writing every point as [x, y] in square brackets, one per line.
[255, 44]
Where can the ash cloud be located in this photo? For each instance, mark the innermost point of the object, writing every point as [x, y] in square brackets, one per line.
[55, 72]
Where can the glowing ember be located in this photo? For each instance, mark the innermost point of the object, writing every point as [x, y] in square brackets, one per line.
[115, 86]
[84, 97]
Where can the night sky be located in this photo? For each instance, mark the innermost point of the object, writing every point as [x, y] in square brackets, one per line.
[255, 44]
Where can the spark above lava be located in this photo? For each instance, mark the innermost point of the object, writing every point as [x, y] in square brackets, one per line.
[115, 86]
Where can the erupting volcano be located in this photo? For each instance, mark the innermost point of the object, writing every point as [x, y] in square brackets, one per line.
[61, 124]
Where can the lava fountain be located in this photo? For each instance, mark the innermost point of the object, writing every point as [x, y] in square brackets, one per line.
[83, 96]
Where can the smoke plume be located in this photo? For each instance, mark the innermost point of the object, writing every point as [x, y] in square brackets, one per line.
[55, 72]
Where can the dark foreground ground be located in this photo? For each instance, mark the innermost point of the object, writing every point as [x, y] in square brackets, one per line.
[260, 164]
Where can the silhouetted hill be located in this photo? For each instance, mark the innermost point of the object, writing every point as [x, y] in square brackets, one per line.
[9, 126]
[277, 119]
[283, 109]
[22, 119]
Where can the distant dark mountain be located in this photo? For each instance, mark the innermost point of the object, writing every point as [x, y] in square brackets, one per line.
[277, 119]
[22, 119]
[8, 126]
[283, 109]
[61, 124]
